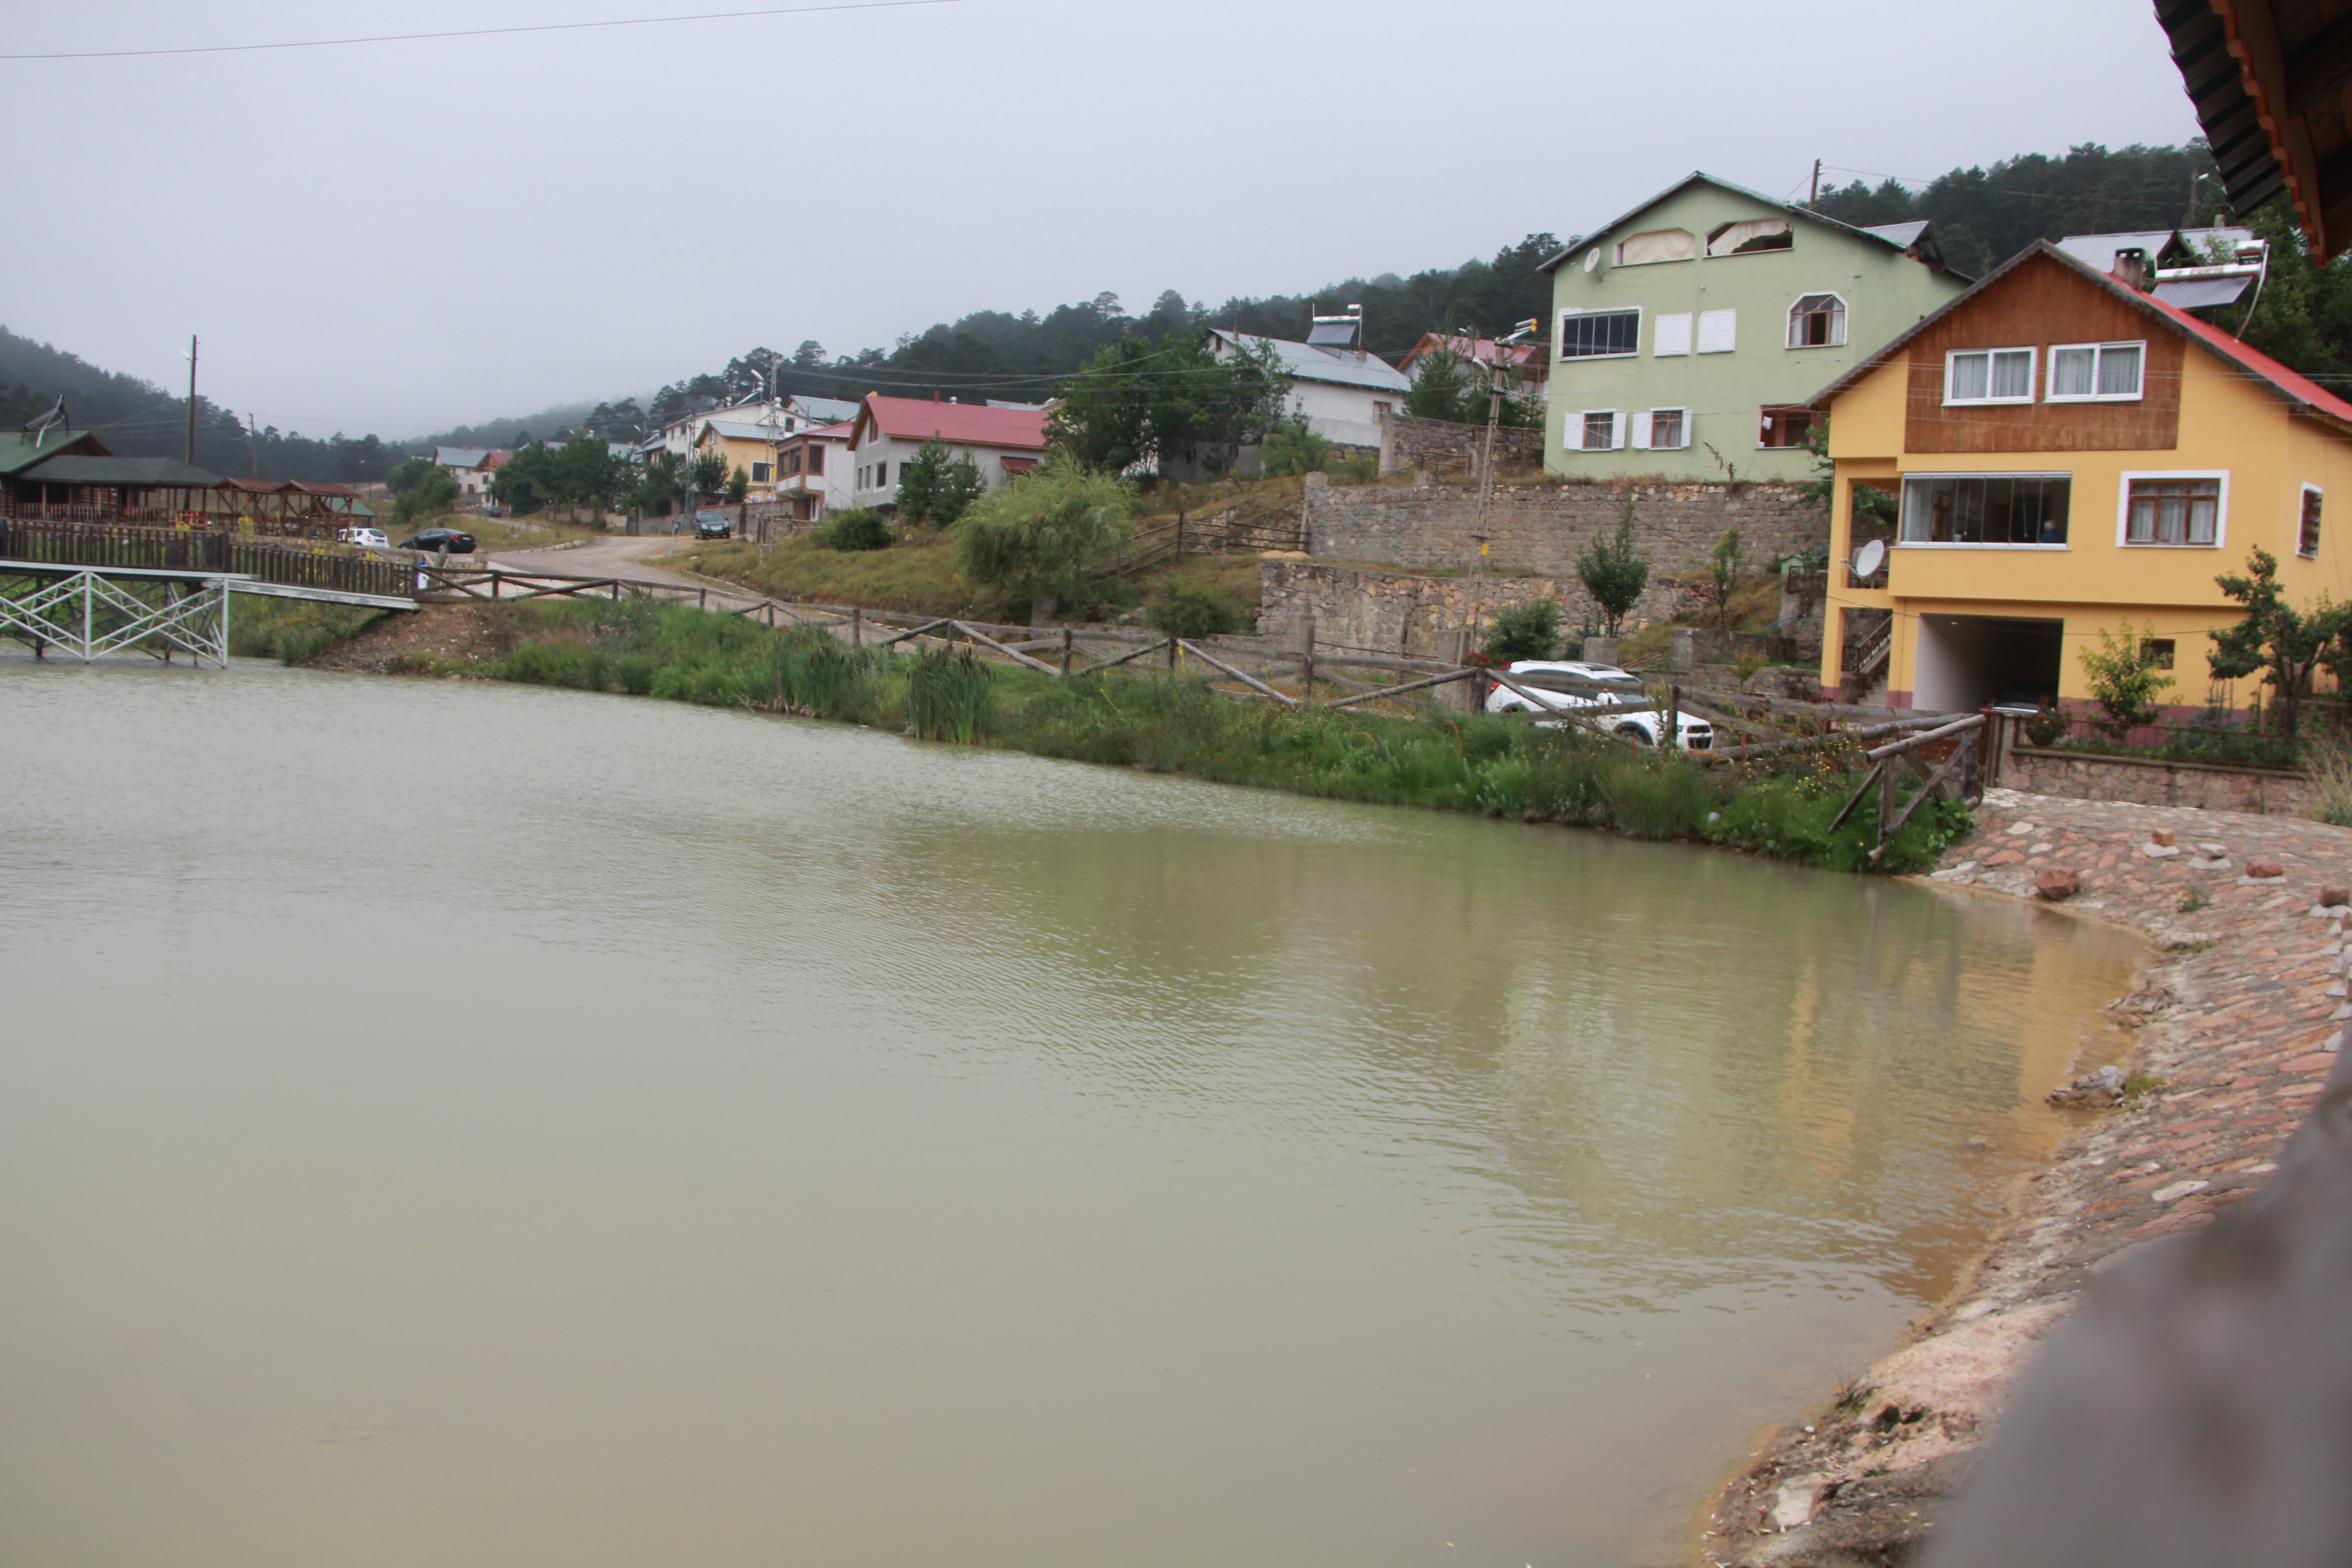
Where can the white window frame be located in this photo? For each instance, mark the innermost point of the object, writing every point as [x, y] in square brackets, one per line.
[1617, 423]
[1698, 335]
[2221, 506]
[1559, 334]
[2301, 502]
[2032, 376]
[1689, 320]
[1844, 319]
[1644, 426]
[2098, 351]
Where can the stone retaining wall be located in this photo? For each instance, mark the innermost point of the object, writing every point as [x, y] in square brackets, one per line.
[2147, 781]
[1443, 448]
[1385, 612]
[1541, 528]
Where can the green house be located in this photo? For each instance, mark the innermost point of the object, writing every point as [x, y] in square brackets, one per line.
[1688, 334]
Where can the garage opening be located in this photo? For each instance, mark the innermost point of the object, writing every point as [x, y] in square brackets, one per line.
[1967, 661]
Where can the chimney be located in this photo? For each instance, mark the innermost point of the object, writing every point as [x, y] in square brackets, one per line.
[2132, 271]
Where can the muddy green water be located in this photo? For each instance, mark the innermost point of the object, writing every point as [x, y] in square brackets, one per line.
[469, 1125]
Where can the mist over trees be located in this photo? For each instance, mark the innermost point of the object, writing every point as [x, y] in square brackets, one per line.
[139, 419]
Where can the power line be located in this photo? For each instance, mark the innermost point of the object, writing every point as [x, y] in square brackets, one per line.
[478, 32]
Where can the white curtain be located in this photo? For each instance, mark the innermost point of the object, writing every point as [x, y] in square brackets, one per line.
[1657, 244]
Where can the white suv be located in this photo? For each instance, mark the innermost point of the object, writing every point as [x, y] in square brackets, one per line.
[369, 538]
[1568, 685]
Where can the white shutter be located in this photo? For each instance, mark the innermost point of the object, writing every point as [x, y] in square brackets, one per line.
[1641, 429]
[1616, 431]
[1719, 331]
[1672, 336]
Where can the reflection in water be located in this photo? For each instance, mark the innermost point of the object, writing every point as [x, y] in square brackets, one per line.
[494, 1126]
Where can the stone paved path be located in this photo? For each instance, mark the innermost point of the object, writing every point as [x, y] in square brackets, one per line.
[2240, 1006]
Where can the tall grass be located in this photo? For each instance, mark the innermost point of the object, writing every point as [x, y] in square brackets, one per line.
[2328, 765]
[292, 630]
[1474, 762]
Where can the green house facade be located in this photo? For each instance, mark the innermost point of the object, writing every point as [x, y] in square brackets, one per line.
[1688, 334]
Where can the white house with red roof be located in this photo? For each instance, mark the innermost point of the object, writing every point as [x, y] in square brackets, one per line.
[890, 431]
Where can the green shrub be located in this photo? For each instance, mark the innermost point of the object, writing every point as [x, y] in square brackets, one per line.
[859, 528]
[1524, 631]
[1201, 612]
[1293, 448]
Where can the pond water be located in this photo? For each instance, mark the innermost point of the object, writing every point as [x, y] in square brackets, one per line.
[461, 1124]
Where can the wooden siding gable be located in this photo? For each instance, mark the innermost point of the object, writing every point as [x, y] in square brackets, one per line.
[2035, 306]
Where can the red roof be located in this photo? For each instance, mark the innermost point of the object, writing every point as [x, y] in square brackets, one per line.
[2295, 388]
[2299, 387]
[257, 487]
[965, 424]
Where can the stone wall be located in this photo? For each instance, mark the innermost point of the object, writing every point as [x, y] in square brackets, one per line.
[2144, 781]
[1445, 449]
[1541, 528]
[1393, 613]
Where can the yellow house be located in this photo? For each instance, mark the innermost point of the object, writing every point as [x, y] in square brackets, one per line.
[2055, 453]
[746, 446]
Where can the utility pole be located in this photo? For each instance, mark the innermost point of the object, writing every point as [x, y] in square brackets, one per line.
[192, 398]
[1519, 334]
[253, 441]
[1814, 199]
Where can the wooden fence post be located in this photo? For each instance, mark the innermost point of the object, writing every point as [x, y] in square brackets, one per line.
[1066, 637]
[856, 627]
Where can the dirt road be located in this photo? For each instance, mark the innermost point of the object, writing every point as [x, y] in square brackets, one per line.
[635, 560]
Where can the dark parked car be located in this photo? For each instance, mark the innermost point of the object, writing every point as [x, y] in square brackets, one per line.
[433, 540]
[712, 523]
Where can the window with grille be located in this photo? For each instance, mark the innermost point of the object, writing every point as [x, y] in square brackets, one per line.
[1986, 508]
[1989, 376]
[2089, 372]
[1599, 334]
[2173, 510]
[2306, 539]
[1817, 321]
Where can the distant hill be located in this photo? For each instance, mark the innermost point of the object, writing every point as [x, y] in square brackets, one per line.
[139, 419]
[507, 434]
[1984, 215]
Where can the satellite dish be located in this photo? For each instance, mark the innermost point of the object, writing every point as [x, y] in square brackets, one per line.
[1593, 259]
[1870, 558]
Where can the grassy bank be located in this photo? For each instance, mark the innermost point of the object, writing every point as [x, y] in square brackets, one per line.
[1470, 763]
[291, 630]
[918, 575]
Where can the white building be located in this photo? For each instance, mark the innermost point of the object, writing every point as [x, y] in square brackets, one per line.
[1338, 390]
[472, 467]
[888, 431]
[814, 470]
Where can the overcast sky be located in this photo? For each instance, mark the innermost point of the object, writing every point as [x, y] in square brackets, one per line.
[398, 237]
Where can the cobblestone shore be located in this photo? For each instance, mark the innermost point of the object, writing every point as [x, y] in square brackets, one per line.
[2240, 1007]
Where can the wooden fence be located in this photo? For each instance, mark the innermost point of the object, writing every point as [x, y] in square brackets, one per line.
[282, 563]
